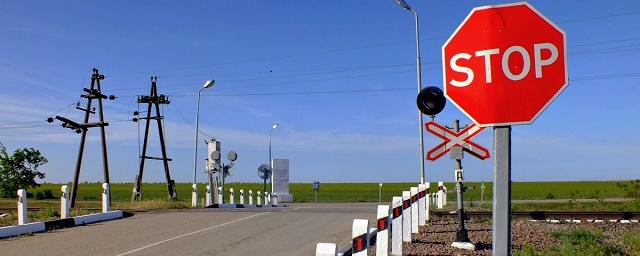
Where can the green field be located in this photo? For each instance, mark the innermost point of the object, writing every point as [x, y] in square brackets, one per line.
[89, 193]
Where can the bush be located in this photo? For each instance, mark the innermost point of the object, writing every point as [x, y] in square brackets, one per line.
[549, 196]
[44, 194]
[632, 241]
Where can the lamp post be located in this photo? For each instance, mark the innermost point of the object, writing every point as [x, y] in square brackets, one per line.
[207, 84]
[404, 5]
[270, 158]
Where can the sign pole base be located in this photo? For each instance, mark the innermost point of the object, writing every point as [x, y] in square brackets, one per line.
[502, 191]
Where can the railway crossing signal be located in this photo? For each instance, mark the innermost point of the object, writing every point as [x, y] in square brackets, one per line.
[455, 139]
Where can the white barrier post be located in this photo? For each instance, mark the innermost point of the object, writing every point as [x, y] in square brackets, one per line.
[444, 195]
[396, 226]
[266, 199]
[274, 199]
[360, 235]
[194, 195]
[208, 198]
[22, 207]
[242, 196]
[414, 209]
[259, 198]
[326, 249]
[250, 197]
[406, 216]
[105, 197]
[427, 205]
[440, 195]
[64, 202]
[382, 235]
[220, 199]
[231, 196]
[422, 191]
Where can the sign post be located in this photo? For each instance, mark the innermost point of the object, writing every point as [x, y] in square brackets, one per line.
[503, 66]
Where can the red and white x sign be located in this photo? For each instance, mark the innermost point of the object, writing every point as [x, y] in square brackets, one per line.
[453, 139]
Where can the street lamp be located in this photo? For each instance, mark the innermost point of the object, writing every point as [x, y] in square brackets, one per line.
[207, 84]
[270, 158]
[404, 5]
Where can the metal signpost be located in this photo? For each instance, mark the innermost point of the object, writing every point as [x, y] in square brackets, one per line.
[316, 187]
[503, 66]
[264, 172]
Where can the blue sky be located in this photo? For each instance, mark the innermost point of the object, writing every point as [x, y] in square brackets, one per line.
[258, 50]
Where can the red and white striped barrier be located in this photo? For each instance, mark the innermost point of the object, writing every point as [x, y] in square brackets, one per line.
[422, 194]
[382, 234]
[427, 204]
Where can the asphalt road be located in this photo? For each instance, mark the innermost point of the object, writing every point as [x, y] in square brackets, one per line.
[293, 230]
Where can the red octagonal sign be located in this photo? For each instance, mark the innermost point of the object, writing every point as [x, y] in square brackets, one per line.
[504, 64]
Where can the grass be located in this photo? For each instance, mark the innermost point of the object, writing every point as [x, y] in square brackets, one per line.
[89, 193]
[575, 242]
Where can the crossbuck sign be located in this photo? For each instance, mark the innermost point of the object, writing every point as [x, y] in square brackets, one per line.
[453, 139]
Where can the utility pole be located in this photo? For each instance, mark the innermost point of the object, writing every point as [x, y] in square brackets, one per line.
[153, 101]
[94, 92]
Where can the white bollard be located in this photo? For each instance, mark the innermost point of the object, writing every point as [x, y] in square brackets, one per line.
[360, 235]
[106, 201]
[231, 196]
[220, 199]
[242, 196]
[266, 199]
[326, 249]
[274, 199]
[208, 199]
[382, 235]
[427, 205]
[22, 207]
[406, 216]
[414, 209]
[194, 195]
[250, 197]
[396, 226]
[259, 198]
[422, 190]
[64, 202]
[441, 195]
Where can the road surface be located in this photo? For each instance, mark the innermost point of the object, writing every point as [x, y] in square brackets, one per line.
[293, 230]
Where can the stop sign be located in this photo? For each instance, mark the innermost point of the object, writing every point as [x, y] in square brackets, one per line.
[504, 64]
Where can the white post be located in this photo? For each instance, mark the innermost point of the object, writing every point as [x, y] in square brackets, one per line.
[406, 216]
[64, 202]
[444, 195]
[22, 207]
[250, 197]
[422, 191]
[326, 249]
[209, 199]
[427, 200]
[440, 195]
[266, 199]
[231, 196]
[274, 199]
[414, 209]
[194, 195]
[105, 197]
[259, 198]
[220, 196]
[382, 236]
[242, 196]
[360, 235]
[396, 226]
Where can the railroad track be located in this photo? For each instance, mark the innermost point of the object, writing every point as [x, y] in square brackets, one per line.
[542, 215]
